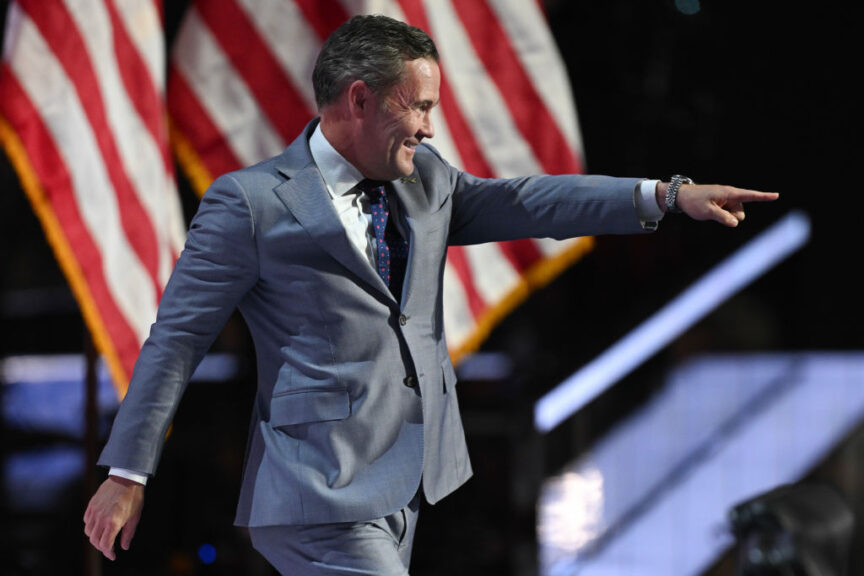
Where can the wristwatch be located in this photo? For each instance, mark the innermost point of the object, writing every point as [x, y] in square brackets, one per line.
[672, 192]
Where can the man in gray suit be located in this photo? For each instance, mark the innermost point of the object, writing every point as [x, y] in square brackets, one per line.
[356, 417]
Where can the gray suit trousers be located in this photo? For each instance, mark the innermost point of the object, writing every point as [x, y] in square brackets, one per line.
[379, 547]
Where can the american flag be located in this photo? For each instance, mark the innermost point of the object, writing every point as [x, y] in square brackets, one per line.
[82, 119]
[239, 90]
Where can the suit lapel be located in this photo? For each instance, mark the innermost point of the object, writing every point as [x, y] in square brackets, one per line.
[306, 197]
[411, 195]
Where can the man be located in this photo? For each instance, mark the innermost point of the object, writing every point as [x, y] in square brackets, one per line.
[356, 416]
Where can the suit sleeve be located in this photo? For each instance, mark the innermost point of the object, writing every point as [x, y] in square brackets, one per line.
[565, 206]
[218, 266]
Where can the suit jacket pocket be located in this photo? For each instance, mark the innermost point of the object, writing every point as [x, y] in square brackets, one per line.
[306, 406]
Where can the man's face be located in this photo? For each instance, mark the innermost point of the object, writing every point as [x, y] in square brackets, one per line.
[398, 120]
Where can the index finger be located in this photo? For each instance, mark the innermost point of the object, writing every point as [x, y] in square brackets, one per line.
[754, 195]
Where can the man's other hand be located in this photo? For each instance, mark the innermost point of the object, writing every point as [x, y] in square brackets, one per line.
[116, 505]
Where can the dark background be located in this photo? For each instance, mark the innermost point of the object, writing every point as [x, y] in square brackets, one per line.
[759, 95]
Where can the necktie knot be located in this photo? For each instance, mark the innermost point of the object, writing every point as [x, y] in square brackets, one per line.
[374, 189]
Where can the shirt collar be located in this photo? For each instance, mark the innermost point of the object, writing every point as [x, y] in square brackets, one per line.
[340, 176]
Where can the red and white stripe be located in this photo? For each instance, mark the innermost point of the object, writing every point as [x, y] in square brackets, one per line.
[240, 90]
[82, 89]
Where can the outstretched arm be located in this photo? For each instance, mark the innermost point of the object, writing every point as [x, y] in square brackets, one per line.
[724, 204]
[115, 506]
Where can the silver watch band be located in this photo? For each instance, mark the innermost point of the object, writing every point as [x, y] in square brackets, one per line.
[672, 192]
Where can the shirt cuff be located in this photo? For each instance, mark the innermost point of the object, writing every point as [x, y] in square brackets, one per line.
[645, 200]
[129, 475]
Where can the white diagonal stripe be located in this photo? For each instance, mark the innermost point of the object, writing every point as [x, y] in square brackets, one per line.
[493, 275]
[458, 320]
[533, 42]
[223, 93]
[482, 104]
[54, 96]
[144, 26]
[283, 27]
[142, 158]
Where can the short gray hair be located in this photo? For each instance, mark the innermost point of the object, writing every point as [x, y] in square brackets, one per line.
[373, 49]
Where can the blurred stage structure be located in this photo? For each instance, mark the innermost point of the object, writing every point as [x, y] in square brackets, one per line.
[652, 496]
[793, 530]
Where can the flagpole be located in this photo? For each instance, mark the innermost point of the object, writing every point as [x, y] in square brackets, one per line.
[92, 560]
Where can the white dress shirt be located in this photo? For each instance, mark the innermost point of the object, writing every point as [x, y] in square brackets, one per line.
[352, 207]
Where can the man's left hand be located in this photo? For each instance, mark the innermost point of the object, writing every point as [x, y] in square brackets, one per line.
[723, 204]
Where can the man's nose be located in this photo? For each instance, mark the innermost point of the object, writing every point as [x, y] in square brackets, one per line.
[427, 130]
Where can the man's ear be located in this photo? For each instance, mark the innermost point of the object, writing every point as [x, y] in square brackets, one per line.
[358, 98]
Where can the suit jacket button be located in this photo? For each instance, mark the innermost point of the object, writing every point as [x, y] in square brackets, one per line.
[403, 319]
[410, 381]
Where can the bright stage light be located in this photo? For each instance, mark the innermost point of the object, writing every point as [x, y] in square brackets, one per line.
[727, 278]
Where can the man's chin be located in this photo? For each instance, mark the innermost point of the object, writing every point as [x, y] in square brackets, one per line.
[406, 168]
[400, 174]
[396, 171]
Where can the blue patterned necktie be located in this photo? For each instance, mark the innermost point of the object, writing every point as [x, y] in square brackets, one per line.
[392, 250]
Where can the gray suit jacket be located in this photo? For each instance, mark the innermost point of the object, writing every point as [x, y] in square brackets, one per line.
[336, 435]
